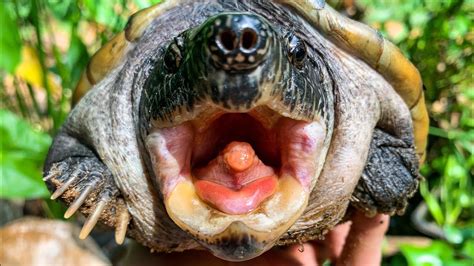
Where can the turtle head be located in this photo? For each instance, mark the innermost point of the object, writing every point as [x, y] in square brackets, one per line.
[237, 125]
[237, 62]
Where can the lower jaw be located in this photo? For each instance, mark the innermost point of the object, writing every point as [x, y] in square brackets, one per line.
[213, 228]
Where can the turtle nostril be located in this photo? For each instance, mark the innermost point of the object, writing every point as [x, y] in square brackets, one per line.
[228, 40]
[249, 39]
[237, 42]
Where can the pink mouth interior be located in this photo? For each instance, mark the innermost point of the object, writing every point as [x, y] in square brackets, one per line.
[236, 127]
[236, 181]
[235, 162]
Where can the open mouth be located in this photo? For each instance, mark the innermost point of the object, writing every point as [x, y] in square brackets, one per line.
[253, 169]
[235, 163]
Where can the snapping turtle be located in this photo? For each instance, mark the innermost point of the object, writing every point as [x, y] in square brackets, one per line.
[239, 125]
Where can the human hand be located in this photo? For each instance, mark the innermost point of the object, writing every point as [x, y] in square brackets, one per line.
[357, 242]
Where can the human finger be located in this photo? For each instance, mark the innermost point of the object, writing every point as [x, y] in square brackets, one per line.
[363, 245]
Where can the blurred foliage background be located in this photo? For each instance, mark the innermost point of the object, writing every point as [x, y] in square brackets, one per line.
[45, 44]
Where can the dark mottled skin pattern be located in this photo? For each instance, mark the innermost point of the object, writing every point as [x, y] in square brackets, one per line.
[307, 92]
[104, 133]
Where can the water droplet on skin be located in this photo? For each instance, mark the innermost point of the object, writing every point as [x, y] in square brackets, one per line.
[301, 247]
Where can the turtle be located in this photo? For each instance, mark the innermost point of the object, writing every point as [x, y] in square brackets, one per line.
[236, 126]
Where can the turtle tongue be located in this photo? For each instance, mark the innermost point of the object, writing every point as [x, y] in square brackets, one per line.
[236, 181]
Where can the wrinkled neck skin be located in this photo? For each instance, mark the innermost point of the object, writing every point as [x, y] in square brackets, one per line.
[362, 100]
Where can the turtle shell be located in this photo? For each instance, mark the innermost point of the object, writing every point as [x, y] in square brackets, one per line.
[356, 38]
[383, 56]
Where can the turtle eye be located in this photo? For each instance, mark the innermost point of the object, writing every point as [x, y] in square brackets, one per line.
[296, 50]
[173, 57]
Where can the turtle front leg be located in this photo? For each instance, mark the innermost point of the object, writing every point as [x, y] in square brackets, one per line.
[75, 173]
[390, 177]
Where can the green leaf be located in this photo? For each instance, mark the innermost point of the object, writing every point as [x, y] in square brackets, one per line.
[432, 203]
[453, 234]
[142, 3]
[459, 27]
[54, 209]
[21, 158]
[155, 1]
[419, 17]
[20, 178]
[63, 9]
[380, 15]
[468, 248]
[10, 42]
[145, 3]
[433, 255]
[103, 12]
[18, 135]
[76, 58]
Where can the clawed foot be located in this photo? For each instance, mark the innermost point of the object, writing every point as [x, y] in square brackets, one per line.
[87, 183]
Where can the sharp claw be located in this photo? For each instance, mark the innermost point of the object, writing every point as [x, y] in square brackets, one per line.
[64, 187]
[48, 177]
[78, 202]
[93, 218]
[54, 171]
[121, 227]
